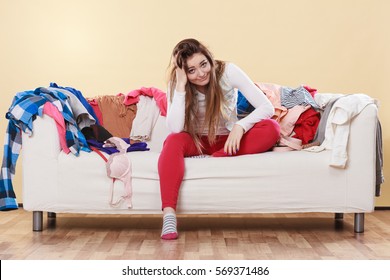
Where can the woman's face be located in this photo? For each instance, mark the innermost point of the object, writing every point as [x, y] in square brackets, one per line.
[199, 69]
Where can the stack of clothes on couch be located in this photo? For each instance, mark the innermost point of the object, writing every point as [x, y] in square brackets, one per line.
[82, 124]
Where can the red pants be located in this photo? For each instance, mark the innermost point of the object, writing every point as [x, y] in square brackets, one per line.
[260, 138]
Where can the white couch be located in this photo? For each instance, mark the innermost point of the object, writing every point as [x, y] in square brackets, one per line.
[272, 182]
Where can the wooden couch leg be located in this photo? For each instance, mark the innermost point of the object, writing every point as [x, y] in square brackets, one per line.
[359, 222]
[37, 220]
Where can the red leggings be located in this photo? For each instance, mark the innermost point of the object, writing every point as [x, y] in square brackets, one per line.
[260, 138]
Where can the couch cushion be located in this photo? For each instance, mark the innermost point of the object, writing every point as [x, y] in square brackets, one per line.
[260, 183]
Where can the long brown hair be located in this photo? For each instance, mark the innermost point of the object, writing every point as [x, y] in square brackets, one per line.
[214, 95]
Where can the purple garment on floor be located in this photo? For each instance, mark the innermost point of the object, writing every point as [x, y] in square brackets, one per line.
[140, 146]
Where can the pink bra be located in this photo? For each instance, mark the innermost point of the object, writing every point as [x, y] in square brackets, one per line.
[119, 168]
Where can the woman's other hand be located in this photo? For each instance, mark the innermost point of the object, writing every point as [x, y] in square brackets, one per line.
[232, 144]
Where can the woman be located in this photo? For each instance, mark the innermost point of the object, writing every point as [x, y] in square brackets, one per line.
[202, 117]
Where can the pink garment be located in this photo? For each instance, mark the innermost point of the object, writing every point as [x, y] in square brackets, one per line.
[52, 111]
[95, 106]
[272, 91]
[286, 118]
[287, 143]
[159, 96]
[119, 167]
[287, 124]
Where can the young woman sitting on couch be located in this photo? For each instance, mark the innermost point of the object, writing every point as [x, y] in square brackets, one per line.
[202, 116]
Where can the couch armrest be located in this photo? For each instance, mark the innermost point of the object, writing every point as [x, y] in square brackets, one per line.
[361, 165]
[40, 161]
[44, 140]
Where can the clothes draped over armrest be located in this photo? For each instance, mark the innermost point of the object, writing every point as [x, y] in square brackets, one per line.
[338, 126]
[347, 110]
[25, 107]
[12, 146]
[379, 159]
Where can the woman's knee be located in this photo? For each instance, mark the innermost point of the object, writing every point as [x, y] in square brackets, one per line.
[271, 127]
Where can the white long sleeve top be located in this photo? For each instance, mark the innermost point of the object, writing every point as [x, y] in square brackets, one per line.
[233, 79]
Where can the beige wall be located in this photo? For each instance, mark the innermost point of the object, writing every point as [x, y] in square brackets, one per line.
[112, 46]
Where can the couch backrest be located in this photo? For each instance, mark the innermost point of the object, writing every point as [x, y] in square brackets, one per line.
[159, 133]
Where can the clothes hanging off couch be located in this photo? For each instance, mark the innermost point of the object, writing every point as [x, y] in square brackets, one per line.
[24, 109]
[119, 167]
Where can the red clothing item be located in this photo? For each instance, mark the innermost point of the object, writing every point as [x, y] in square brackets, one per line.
[161, 98]
[95, 106]
[311, 90]
[306, 125]
[260, 138]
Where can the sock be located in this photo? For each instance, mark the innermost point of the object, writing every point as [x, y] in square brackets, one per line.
[169, 230]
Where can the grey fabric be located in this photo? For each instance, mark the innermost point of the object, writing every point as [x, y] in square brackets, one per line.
[320, 133]
[379, 159]
[299, 96]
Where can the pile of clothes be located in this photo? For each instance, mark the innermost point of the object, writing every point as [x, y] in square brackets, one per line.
[83, 124]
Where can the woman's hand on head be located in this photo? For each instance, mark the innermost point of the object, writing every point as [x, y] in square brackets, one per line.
[181, 75]
[181, 79]
[232, 144]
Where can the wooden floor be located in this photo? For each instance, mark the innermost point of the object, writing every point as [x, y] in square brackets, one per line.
[277, 237]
